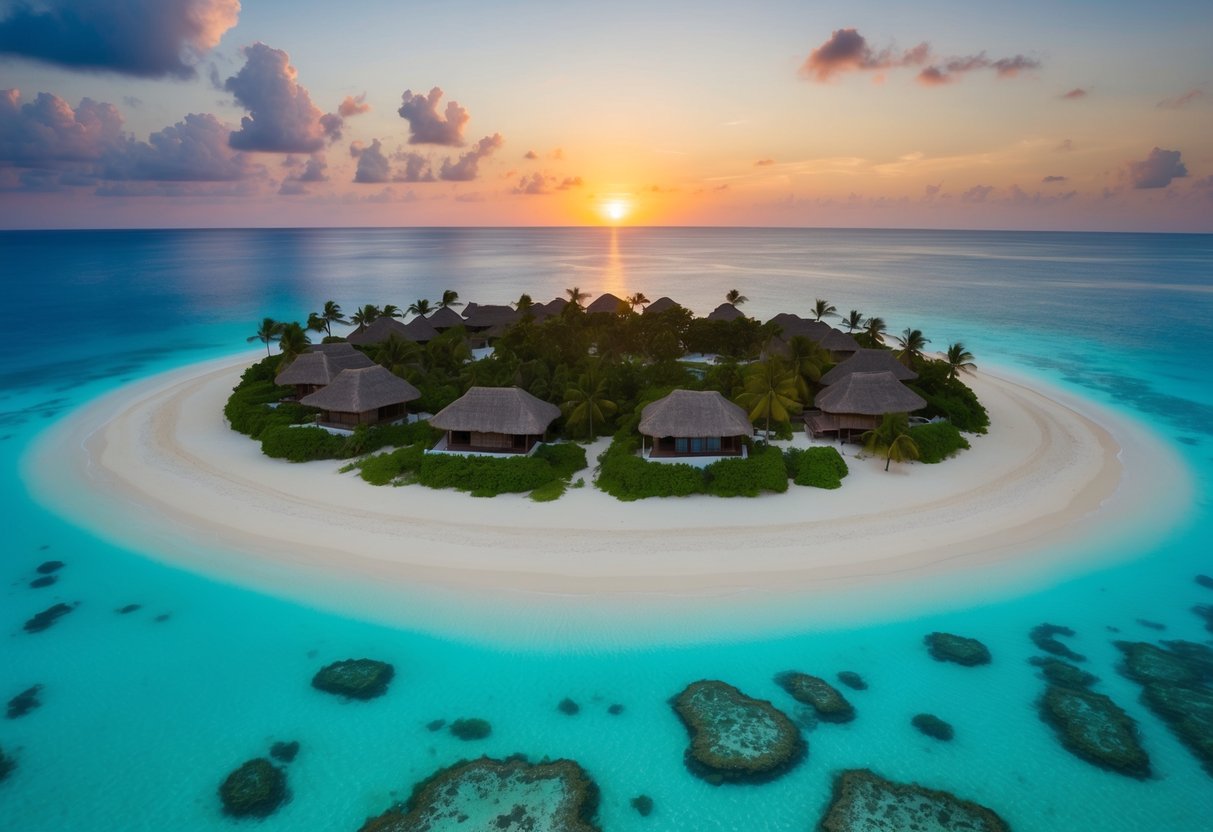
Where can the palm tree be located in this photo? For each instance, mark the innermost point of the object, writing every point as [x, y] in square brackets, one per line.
[293, 342]
[735, 297]
[912, 344]
[419, 307]
[391, 310]
[875, 329]
[586, 400]
[365, 316]
[806, 358]
[853, 320]
[576, 296]
[823, 309]
[524, 302]
[959, 360]
[399, 355]
[769, 392]
[269, 331]
[330, 314]
[450, 299]
[315, 323]
[892, 439]
[638, 299]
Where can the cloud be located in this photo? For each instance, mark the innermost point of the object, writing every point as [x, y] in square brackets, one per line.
[1074, 94]
[762, 163]
[1156, 170]
[977, 194]
[533, 185]
[1180, 102]
[953, 69]
[194, 149]
[846, 50]
[532, 155]
[282, 117]
[373, 166]
[426, 125]
[570, 182]
[313, 171]
[1050, 179]
[151, 39]
[48, 130]
[353, 105]
[417, 168]
[466, 169]
[1065, 146]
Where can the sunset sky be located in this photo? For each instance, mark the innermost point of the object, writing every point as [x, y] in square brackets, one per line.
[1085, 115]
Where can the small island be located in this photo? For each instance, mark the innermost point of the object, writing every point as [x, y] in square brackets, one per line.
[502, 398]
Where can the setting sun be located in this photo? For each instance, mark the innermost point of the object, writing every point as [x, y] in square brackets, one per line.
[616, 210]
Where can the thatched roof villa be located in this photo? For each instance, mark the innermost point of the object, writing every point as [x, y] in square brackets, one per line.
[378, 331]
[694, 423]
[661, 305]
[313, 370]
[366, 396]
[838, 344]
[725, 312]
[870, 361]
[606, 304]
[501, 420]
[858, 402]
[444, 318]
[486, 321]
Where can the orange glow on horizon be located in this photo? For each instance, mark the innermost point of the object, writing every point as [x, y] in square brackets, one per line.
[616, 209]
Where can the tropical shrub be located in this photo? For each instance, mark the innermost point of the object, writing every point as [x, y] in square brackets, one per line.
[300, 444]
[484, 476]
[553, 490]
[382, 469]
[937, 441]
[818, 467]
[762, 471]
[565, 458]
[627, 477]
[950, 398]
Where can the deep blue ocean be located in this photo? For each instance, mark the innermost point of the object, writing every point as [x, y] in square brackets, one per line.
[143, 714]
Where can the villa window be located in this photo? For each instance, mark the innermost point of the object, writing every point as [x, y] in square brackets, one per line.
[713, 443]
[680, 445]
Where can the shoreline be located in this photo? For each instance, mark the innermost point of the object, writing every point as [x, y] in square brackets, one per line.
[203, 497]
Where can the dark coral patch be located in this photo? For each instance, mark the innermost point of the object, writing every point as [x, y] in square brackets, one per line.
[946, 647]
[1044, 636]
[355, 678]
[24, 702]
[933, 727]
[47, 617]
[1093, 727]
[257, 788]
[823, 697]
[864, 802]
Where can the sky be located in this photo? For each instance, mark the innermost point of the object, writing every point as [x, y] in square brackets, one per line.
[1079, 115]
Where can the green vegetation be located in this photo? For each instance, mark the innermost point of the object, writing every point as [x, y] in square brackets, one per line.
[818, 467]
[891, 439]
[937, 441]
[546, 472]
[762, 471]
[949, 397]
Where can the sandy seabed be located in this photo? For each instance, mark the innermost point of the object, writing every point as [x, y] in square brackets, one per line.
[155, 466]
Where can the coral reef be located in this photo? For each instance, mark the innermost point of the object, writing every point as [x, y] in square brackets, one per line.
[1204, 580]
[255, 789]
[643, 804]
[865, 802]
[47, 617]
[471, 729]
[511, 794]
[615, 710]
[946, 647]
[735, 738]
[933, 726]
[1147, 663]
[1094, 728]
[1044, 636]
[568, 707]
[285, 752]
[49, 567]
[128, 609]
[1175, 687]
[1064, 673]
[852, 680]
[24, 702]
[44, 581]
[355, 678]
[824, 698]
[7, 764]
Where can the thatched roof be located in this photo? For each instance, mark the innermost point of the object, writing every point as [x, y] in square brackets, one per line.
[420, 330]
[484, 316]
[792, 326]
[497, 410]
[661, 304]
[838, 341]
[607, 303]
[378, 331]
[444, 318]
[334, 348]
[726, 312]
[869, 394]
[870, 361]
[357, 391]
[320, 367]
[694, 413]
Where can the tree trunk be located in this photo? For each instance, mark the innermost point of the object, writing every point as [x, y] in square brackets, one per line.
[888, 459]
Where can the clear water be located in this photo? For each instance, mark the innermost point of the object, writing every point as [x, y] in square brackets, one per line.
[142, 719]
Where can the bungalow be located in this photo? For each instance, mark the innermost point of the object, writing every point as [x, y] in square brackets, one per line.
[726, 312]
[444, 318]
[869, 361]
[838, 344]
[366, 396]
[607, 304]
[503, 420]
[315, 369]
[487, 321]
[694, 423]
[378, 331]
[858, 402]
[661, 305]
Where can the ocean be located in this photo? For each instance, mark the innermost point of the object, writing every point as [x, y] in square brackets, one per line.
[143, 714]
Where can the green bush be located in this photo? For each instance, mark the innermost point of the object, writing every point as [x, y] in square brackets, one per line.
[484, 476]
[950, 398]
[819, 467]
[937, 441]
[565, 458]
[553, 490]
[300, 444]
[627, 477]
[763, 471]
[381, 469]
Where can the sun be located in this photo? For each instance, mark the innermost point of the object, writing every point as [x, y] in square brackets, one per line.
[616, 210]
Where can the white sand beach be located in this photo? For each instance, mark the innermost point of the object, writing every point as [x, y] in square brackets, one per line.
[154, 465]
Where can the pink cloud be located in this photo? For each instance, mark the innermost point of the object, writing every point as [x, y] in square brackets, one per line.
[1074, 95]
[1181, 102]
[427, 125]
[353, 105]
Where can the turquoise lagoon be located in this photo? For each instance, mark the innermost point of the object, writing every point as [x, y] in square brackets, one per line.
[143, 714]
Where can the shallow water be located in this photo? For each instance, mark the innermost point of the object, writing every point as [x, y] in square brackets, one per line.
[141, 719]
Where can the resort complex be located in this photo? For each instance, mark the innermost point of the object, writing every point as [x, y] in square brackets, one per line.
[716, 401]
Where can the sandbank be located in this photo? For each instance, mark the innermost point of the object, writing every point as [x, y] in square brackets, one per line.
[155, 466]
